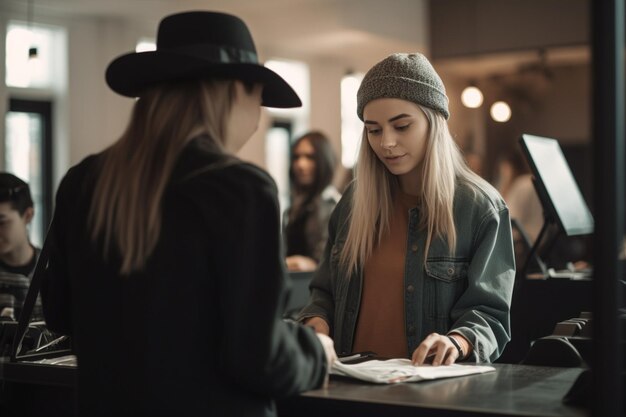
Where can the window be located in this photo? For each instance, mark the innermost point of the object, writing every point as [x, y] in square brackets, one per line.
[28, 155]
[145, 44]
[285, 123]
[28, 123]
[351, 125]
[297, 75]
[40, 72]
[278, 157]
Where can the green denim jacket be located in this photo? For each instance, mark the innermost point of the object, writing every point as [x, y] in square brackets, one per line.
[468, 292]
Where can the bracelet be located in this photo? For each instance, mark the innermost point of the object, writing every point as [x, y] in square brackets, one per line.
[457, 346]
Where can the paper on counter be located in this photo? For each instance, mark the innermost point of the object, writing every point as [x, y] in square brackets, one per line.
[402, 370]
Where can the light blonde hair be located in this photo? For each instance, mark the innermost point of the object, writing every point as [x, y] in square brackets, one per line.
[126, 204]
[443, 168]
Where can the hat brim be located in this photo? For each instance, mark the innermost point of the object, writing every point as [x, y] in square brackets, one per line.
[130, 74]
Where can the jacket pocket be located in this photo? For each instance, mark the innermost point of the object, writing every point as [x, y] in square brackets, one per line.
[444, 282]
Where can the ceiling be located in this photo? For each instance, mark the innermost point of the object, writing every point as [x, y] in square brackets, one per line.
[353, 33]
[348, 31]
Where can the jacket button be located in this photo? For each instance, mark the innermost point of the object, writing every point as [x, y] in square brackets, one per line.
[411, 330]
[450, 271]
[410, 288]
[414, 248]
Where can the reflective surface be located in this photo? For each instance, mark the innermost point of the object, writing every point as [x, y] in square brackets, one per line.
[511, 390]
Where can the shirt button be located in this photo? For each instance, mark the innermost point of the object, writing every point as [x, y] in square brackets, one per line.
[414, 248]
[410, 288]
[411, 330]
[450, 271]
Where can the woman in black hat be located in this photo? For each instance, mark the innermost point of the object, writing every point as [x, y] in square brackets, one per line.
[164, 259]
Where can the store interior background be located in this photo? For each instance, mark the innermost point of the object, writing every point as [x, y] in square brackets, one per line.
[534, 54]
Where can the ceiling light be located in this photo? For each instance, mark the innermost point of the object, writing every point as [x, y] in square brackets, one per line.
[472, 97]
[500, 111]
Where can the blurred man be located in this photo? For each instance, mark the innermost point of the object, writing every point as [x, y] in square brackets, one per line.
[18, 256]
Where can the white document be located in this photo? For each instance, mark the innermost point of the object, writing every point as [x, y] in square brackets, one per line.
[402, 370]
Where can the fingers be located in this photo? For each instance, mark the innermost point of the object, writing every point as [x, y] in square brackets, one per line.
[319, 324]
[292, 263]
[436, 347]
[442, 353]
[421, 353]
[450, 359]
[300, 263]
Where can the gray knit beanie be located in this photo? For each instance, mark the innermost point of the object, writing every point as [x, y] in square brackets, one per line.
[405, 76]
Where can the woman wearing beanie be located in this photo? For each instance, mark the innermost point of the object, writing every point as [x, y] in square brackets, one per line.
[419, 261]
[165, 264]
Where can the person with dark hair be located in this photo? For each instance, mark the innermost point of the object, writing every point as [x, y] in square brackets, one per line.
[305, 223]
[158, 242]
[18, 256]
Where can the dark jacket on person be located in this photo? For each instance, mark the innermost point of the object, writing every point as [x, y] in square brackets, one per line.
[308, 233]
[198, 331]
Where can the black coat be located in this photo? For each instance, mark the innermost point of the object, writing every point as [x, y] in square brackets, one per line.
[199, 331]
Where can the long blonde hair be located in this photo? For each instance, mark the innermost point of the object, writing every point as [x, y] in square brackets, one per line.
[443, 168]
[126, 204]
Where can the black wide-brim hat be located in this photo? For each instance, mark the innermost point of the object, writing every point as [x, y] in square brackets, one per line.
[198, 45]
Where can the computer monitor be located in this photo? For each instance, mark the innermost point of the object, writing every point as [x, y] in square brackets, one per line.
[557, 189]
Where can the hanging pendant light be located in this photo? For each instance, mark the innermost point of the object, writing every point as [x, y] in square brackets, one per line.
[33, 53]
[500, 111]
[472, 97]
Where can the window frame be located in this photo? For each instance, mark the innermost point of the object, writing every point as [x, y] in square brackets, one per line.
[44, 109]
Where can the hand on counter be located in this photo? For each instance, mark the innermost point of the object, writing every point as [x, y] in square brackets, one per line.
[319, 324]
[440, 349]
[300, 263]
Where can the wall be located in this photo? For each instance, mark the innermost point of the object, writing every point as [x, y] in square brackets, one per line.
[326, 105]
[463, 28]
[497, 46]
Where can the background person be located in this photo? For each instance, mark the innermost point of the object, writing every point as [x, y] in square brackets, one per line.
[515, 184]
[157, 243]
[18, 256]
[419, 262]
[313, 200]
